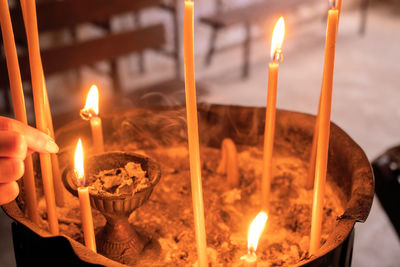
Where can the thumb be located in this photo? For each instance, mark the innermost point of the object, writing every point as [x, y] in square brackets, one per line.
[36, 140]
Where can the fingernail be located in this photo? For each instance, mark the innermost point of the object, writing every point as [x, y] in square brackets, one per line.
[51, 147]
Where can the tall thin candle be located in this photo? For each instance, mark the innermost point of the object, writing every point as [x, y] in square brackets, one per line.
[29, 14]
[84, 199]
[309, 183]
[276, 54]
[323, 131]
[193, 136]
[338, 6]
[18, 101]
[58, 186]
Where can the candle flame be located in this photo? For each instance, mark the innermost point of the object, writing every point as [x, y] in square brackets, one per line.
[92, 100]
[332, 4]
[78, 167]
[277, 39]
[255, 230]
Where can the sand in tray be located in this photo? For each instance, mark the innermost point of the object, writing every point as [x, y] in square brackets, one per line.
[168, 218]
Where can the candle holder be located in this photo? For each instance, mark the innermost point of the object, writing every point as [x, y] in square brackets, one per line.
[118, 239]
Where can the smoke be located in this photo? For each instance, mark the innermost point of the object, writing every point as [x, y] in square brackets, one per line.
[150, 128]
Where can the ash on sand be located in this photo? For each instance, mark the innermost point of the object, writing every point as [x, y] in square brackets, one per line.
[127, 180]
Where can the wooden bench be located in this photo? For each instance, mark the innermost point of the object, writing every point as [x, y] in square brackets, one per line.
[72, 56]
[249, 14]
[172, 7]
[69, 14]
[56, 15]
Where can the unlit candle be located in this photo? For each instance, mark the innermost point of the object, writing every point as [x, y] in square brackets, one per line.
[17, 95]
[193, 136]
[323, 131]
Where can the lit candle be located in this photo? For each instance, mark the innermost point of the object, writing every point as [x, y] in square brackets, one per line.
[91, 112]
[323, 130]
[276, 54]
[255, 230]
[35, 63]
[193, 136]
[18, 101]
[84, 200]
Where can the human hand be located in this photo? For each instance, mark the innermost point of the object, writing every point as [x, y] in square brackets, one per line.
[17, 140]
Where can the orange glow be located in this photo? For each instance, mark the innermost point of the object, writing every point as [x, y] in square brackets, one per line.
[255, 230]
[78, 167]
[277, 37]
[92, 100]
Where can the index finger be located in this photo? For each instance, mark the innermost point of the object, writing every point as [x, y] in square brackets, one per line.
[36, 140]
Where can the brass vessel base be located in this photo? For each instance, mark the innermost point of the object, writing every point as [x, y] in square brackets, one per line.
[119, 240]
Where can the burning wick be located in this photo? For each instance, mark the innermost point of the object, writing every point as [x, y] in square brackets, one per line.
[255, 230]
[91, 112]
[84, 201]
[277, 40]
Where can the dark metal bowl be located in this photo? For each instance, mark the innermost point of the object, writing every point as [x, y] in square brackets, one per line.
[348, 166]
